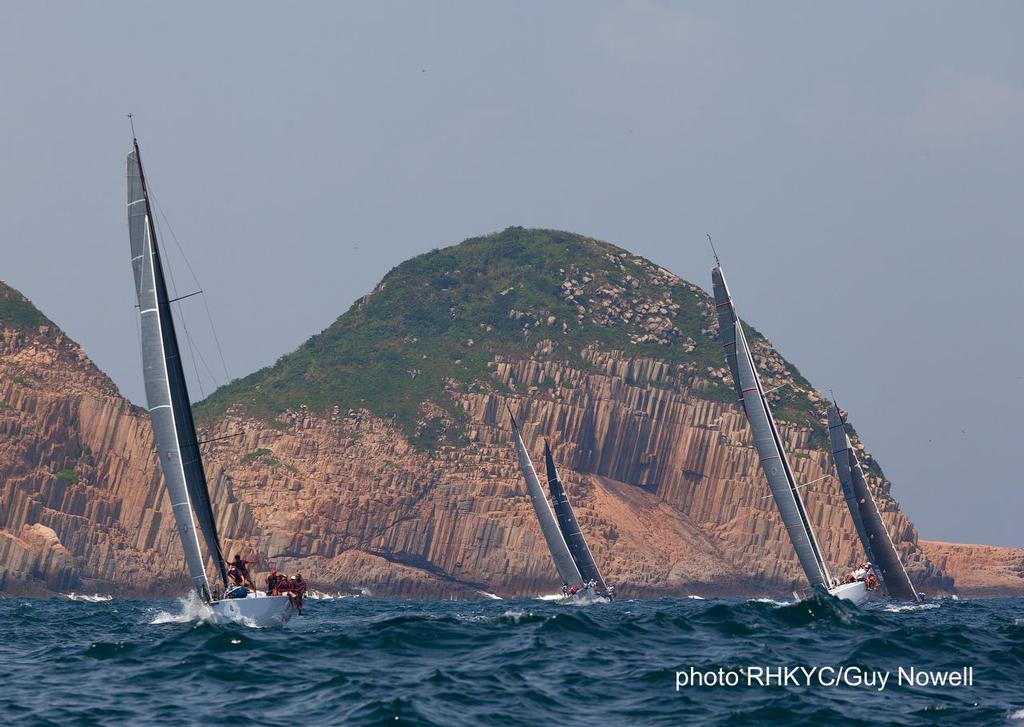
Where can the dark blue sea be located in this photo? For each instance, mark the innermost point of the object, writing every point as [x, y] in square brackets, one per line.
[366, 661]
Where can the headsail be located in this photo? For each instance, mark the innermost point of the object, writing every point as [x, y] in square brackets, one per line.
[564, 562]
[166, 392]
[570, 528]
[872, 531]
[767, 439]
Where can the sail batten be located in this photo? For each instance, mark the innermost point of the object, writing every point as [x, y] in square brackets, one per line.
[570, 526]
[166, 391]
[871, 530]
[564, 563]
[767, 440]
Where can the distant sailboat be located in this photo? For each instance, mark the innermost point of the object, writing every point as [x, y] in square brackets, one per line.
[170, 411]
[570, 528]
[872, 531]
[568, 571]
[773, 458]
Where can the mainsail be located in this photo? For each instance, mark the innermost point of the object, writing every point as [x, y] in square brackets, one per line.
[166, 392]
[570, 528]
[766, 437]
[873, 534]
[564, 562]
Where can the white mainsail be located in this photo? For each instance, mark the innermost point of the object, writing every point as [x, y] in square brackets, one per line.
[766, 436]
[564, 562]
[153, 313]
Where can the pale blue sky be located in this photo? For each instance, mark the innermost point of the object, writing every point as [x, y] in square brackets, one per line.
[859, 166]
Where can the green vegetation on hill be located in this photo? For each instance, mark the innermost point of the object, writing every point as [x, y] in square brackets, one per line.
[438, 319]
[16, 311]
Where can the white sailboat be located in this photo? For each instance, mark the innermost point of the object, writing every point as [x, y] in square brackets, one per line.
[575, 589]
[773, 458]
[171, 414]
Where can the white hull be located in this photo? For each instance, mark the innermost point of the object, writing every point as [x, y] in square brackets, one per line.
[583, 598]
[856, 593]
[255, 610]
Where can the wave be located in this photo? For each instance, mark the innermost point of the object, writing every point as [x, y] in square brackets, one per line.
[192, 610]
[905, 607]
[95, 598]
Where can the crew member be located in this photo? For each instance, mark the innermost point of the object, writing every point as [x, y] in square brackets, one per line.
[242, 567]
[297, 586]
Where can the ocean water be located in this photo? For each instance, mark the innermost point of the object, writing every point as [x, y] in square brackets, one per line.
[366, 661]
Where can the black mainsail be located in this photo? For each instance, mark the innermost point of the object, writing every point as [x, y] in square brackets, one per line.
[174, 431]
[570, 527]
[872, 531]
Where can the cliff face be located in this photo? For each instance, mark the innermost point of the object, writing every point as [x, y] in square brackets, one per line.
[980, 571]
[79, 497]
[377, 455]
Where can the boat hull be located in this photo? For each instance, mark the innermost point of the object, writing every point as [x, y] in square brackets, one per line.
[259, 611]
[855, 593]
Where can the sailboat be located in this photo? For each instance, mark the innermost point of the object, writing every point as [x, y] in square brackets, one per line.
[570, 528]
[575, 588]
[878, 546]
[170, 411]
[772, 454]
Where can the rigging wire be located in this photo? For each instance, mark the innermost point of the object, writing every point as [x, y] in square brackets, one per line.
[169, 269]
[206, 305]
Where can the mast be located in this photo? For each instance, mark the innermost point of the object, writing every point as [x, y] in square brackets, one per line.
[873, 534]
[166, 391]
[766, 436]
[564, 562]
[570, 527]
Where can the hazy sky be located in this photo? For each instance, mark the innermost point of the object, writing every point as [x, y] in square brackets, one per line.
[859, 166]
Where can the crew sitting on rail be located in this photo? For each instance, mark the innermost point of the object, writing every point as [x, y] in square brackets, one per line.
[296, 588]
[860, 574]
[274, 582]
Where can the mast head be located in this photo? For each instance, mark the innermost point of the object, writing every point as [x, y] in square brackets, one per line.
[713, 250]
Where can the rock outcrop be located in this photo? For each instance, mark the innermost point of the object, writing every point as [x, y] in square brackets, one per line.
[377, 456]
[980, 571]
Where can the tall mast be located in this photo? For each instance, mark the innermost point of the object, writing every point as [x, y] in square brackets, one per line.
[166, 389]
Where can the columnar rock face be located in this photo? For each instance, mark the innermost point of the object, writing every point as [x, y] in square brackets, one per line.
[378, 456]
[80, 497]
[980, 571]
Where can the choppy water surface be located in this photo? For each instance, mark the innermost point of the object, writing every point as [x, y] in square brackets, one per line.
[528, 662]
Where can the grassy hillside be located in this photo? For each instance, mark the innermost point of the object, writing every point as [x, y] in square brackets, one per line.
[16, 311]
[440, 317]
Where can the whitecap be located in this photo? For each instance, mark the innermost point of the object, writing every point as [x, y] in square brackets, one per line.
[193, 610]
[903, 607]
[772, 601]
[94, 598]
